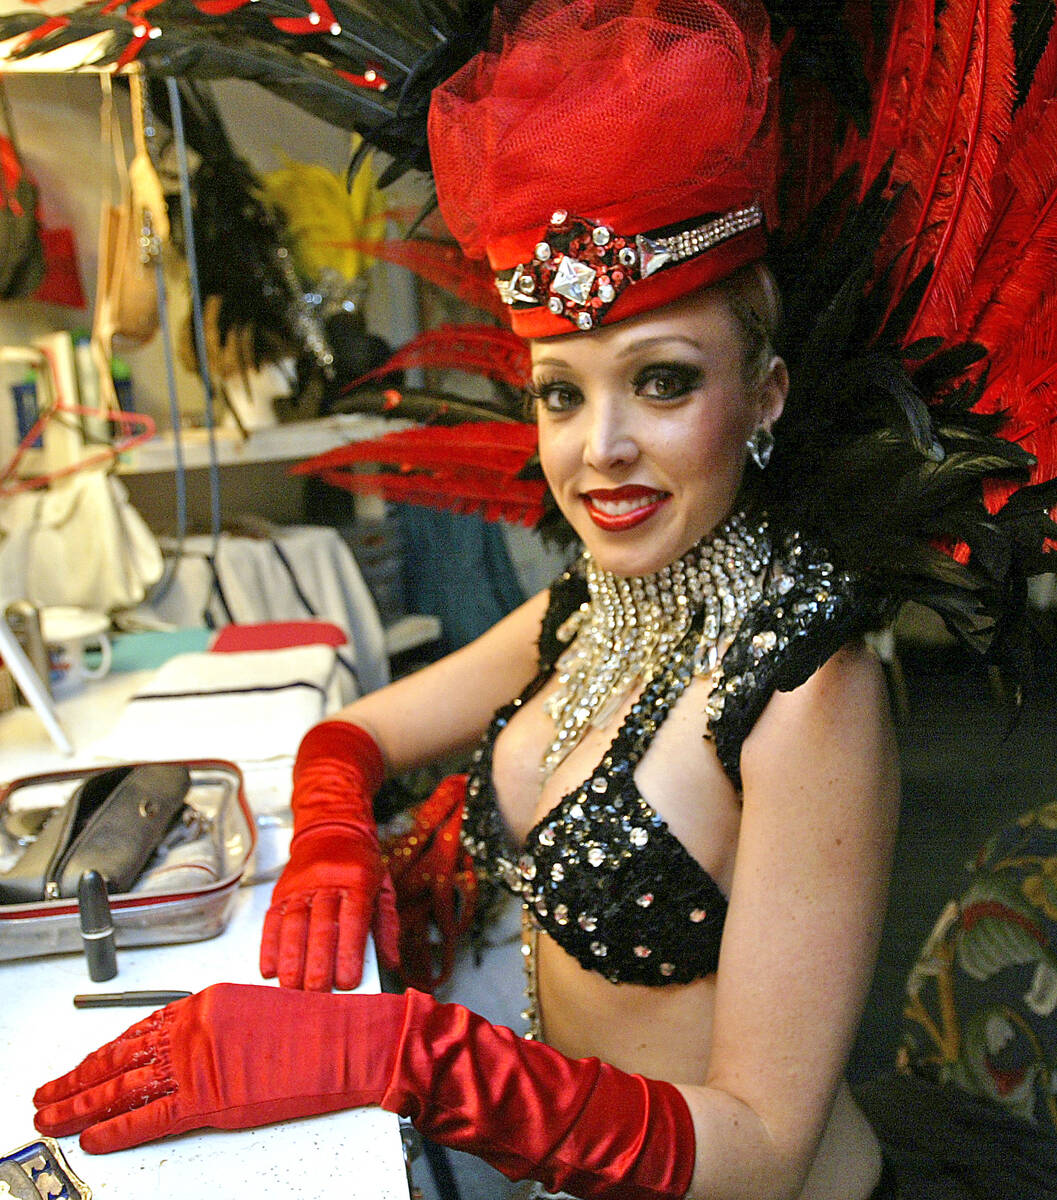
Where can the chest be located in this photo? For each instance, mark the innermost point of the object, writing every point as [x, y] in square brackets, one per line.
[677, 778]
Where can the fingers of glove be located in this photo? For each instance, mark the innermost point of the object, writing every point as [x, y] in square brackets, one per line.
[131, 1050]
[270, 940]
[154, 1120]
[292, 943]
[321, 949]
[387, 925]
[353, 920]
[100, 1101]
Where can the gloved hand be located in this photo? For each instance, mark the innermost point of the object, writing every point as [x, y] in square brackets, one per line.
[577, 1125]
[334, 889]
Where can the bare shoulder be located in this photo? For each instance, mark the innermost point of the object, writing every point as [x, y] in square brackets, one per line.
[835, 728]
[847, 693]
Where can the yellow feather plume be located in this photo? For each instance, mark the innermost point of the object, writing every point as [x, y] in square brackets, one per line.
[324, 218]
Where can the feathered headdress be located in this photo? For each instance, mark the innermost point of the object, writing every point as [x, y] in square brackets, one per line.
[916, 252]
[363, 65]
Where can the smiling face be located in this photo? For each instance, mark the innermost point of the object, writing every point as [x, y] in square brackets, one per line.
[642, 428]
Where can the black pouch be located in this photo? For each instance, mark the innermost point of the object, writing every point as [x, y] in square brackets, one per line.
[112, 824]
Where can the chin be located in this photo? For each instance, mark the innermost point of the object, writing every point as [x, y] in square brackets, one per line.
[644, 551]
[628, 561]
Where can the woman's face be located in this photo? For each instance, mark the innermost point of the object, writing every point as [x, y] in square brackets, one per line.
[642, 428]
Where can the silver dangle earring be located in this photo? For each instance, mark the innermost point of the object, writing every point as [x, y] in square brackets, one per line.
[760, 445]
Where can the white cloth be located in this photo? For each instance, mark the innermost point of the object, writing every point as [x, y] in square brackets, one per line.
[79, 542]
[247, 708]
[300, 571]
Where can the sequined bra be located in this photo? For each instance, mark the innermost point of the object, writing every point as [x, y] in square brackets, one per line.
[602, 873]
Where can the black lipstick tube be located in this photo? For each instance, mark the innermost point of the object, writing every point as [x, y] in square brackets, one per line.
[97, 927]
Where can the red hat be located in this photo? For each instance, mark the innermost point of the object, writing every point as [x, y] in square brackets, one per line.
[610, 156]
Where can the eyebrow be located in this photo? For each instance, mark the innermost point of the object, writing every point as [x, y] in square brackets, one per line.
[633, 348]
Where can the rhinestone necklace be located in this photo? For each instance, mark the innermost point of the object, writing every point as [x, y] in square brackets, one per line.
[623, 634]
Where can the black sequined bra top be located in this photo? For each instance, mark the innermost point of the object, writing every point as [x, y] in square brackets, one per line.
[602, 873]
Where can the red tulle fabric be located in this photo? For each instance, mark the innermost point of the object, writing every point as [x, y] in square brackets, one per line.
[573, 109]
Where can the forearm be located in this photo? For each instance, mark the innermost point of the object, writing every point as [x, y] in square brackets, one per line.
[737, 1158]
[444, 708]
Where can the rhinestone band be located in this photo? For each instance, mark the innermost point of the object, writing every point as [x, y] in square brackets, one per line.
[665, 251]
[582, 267]
[624, 633]
[530, 1014]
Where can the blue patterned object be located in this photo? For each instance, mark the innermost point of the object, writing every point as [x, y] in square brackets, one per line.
[45, 1167]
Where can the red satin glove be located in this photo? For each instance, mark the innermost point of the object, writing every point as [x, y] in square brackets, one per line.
[334, 889]
[531, 1112]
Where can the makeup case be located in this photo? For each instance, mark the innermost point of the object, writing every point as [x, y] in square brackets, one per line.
[177, 836]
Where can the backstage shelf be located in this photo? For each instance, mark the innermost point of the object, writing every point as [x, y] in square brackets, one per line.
[274, 443]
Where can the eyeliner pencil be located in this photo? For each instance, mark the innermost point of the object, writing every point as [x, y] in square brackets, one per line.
[126, 999]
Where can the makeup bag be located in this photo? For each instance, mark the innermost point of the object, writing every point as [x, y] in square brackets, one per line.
[172, 839]
[113, 823]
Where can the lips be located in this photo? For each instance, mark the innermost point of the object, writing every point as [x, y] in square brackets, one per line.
[617, 509]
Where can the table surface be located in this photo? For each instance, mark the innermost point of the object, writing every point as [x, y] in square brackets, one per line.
[356, 1153]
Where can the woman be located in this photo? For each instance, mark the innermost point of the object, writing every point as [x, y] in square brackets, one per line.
[627, 418]
[691, 782]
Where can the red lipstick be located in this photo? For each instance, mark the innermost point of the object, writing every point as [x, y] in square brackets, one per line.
[618, 509]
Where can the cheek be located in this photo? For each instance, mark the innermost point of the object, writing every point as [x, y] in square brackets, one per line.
[713, 449]
[553, 459]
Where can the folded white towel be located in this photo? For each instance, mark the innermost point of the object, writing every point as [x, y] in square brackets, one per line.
[247, 707]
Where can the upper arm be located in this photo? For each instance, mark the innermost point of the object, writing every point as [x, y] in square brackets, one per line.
[446, 706]
[806, 909]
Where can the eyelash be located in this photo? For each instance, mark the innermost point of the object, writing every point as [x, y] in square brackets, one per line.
[538, 392]
[682, 377]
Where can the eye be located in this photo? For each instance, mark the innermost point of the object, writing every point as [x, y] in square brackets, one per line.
[555, 396]
[666, 381]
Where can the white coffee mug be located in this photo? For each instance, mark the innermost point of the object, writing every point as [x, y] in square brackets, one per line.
[71, 635]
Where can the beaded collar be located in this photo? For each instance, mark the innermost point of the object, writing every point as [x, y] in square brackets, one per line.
[623, 633]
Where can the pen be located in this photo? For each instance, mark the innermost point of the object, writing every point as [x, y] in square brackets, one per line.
[126, 999]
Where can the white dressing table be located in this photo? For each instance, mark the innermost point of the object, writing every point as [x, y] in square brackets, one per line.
[356, 1154]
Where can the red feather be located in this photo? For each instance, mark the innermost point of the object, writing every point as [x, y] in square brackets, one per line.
[899, 90]
[1018, 261]
[1023, 385]
[319, 20]
[949, 160]
[443, 264]
[479, 349]
[470, 468]
[219, 8]
[1023, 377]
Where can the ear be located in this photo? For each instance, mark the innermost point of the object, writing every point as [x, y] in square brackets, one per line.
[772, 392]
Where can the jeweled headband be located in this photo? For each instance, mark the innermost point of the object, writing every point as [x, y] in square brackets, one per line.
[581, 268]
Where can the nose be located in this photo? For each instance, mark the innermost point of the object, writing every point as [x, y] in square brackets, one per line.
[609, 439]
